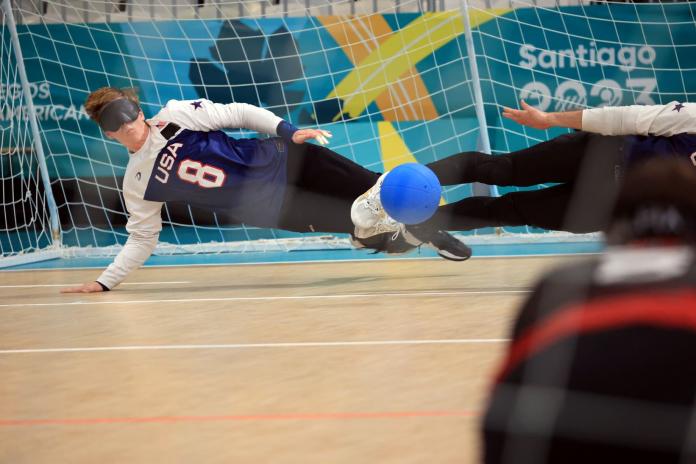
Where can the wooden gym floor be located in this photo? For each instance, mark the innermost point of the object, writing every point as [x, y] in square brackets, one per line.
[342, 362]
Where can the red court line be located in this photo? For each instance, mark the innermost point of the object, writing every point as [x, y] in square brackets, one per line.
[236, 418]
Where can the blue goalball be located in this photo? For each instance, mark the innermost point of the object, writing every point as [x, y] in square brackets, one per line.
[410, 193]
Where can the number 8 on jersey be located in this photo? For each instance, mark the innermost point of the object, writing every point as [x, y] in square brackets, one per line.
[204, 175]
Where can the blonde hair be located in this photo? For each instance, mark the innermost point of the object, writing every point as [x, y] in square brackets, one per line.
[101, 97]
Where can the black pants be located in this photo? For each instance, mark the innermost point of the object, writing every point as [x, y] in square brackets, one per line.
[587, 168]
[322, 186]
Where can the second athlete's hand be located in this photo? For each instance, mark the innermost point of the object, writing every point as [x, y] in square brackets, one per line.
[302, 135]
[528, 116]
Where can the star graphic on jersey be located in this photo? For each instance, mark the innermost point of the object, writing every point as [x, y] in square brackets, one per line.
[196, 104]
[678, 107]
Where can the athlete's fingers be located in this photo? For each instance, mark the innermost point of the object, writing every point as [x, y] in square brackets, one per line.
[71, 290]
[321, 136]
[515, 115]
[318, 135]
[512, 112]
[89, 287]
[80, 289]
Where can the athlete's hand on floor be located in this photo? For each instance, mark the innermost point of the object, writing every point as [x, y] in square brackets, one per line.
[89, 287]
[302, 135]
[528, 116]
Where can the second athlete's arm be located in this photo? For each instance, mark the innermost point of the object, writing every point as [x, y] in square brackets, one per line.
[665, 120]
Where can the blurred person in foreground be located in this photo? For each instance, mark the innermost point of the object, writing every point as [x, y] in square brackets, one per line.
[601, 363]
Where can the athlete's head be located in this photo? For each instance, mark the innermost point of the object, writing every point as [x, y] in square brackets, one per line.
[657, 201]
[118, 113]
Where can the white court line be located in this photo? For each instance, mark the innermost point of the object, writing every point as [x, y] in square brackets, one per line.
[234, 346]
[96, 301]
[319, 261]
[80, 283]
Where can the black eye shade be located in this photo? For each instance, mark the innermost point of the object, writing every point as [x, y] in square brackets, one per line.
[117, 113]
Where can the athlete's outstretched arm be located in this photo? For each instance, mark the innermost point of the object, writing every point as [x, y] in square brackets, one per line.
[667, 120]
[144, 225]
[532, 117]
[205, 115]
[670, 119]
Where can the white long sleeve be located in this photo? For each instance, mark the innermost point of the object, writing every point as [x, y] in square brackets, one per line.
[144, 217]
[144, 226]
[670, 119]
[205, 115]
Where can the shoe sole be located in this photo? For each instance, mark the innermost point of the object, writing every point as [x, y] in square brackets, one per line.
[453, 257]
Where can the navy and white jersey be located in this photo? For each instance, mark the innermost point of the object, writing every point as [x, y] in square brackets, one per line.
[654, 130]
[202, 166]
[642, 147]
[246, 177]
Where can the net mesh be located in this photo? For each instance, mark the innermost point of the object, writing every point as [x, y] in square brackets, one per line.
[384, 84]
[580, 56]
[390, 80]
[25, 224]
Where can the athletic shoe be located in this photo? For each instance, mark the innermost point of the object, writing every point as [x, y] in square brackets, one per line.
[446, 245]
[385, 243]
[369, 216]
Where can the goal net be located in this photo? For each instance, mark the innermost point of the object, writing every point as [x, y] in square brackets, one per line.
[585, 55]
[393, 81]
[28, 221]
